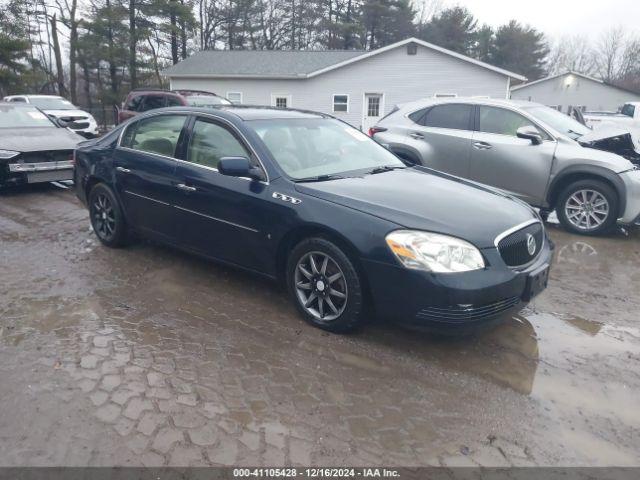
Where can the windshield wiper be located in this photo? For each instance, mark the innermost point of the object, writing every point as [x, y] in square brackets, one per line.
[384, 168]
[319, 178]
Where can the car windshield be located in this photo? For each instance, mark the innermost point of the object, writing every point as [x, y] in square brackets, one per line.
[559, 121]
[23, 116]
[52, 103]
[206, 100]
[311, 148]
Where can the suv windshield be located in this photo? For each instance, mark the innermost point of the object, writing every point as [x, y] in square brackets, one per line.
[23, 116]
[206, 100]
[558, 121]
[307, 148]
[52, 103]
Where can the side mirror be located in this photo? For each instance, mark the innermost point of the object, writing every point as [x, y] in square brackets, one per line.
[239, 167]
[530, 133]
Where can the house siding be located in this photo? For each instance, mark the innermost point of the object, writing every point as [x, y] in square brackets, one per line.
[400, 77]
[574, 90]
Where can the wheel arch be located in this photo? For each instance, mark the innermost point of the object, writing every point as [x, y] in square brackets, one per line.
[406, 153]
[571, 175]
[298, 234]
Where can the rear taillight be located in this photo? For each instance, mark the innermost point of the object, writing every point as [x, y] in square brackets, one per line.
[72, 157]
[374, 130]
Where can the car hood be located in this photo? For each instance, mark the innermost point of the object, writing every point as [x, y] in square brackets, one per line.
[67, 113]
[38, 139]
[423, 199]
[618, 140]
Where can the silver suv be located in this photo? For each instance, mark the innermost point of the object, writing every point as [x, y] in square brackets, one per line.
[529, 150]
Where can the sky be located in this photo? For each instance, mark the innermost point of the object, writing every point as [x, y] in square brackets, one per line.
[557, 18]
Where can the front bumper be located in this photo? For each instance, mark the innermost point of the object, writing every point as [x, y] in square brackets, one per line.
[631, 212]
[453, 303]
[37, 172]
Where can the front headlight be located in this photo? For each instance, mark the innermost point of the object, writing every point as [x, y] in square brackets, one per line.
[5, 154]
[434, 252]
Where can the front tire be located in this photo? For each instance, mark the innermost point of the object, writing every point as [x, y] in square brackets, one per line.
[588, 207]
[325, 286]
[106, 216]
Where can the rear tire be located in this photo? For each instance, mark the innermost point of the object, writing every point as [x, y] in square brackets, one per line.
[106, 217]
[588, 207]
[325, 286]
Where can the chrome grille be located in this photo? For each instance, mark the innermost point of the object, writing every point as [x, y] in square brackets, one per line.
[467, 313]
[514, 248]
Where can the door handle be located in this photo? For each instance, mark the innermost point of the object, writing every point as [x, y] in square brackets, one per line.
[186, 188]
[417, 136]
[482, 145]
[123, 170]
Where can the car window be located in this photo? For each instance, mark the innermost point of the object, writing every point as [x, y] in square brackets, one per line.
[503, 121]
[417, 116]
[173, 102]
[307, 147]
[210, 142]
[456, 116]
[18, 116]
[152, 102]
[134, 104]
[155, 135]
[18, 99]
[628, 110]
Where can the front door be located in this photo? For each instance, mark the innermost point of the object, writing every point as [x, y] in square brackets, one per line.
[501, 159]
[145, 168]
[221, 216]
[372, 110]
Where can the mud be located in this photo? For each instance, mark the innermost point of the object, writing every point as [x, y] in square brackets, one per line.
[148, 356]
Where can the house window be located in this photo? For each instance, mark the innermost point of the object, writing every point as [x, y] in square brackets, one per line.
[280, 101]
[234, 97]
[412, 49]
[373, 106]
[341, 103]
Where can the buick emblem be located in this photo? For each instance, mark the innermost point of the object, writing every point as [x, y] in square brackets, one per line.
[531, 244]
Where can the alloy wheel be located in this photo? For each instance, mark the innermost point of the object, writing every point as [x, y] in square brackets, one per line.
[321, 286]
[104, 216]
[587, 209]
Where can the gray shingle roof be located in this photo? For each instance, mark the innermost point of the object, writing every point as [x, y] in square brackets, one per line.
[264, 63]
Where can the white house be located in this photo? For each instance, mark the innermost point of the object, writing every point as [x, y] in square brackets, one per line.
[356, 86]
[573, 89]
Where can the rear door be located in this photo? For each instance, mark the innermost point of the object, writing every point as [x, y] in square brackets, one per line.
[501, 159]
[221, 216]
[442, 134]
[145, 167]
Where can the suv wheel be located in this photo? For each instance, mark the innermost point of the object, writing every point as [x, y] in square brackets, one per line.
[325, 285]
[587, 207]
[106, 216]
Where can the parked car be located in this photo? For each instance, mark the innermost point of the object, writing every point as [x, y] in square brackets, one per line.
[308, 199]
[628, 117]
[32, 147]
[145, 99]
[82, 122]
[528, 150]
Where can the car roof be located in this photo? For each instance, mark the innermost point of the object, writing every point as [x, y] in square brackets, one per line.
[498, 102]
[251, 112]
[35, 96]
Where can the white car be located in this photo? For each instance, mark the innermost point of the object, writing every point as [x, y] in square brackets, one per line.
[62, 109]
[628, 117]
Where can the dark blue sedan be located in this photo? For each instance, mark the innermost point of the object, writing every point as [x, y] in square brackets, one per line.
[308, 200]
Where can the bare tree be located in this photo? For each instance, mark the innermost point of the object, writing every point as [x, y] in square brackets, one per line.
[572, 53]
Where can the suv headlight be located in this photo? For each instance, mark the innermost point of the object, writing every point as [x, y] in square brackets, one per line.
[5, 154]
[434, 252]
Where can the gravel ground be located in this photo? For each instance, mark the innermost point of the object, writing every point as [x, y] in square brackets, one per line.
[147, 356]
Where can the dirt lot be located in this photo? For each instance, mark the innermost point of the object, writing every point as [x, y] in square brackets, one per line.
[149, 356]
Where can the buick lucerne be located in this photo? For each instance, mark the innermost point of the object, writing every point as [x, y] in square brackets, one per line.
[308, 200]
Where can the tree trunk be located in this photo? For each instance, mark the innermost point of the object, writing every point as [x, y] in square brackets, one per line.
[112, 61]
[133, 39]
[183, 34]
[56, 51]
[73, 49]
[174, 31]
